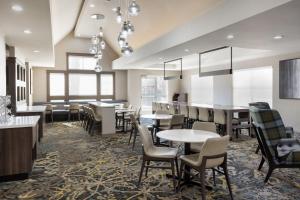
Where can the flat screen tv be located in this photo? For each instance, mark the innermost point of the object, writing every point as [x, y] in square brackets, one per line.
[289, 79]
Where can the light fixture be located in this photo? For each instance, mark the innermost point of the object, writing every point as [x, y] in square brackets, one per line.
[186, 50]
[101, 32]
[127, 50]
[27, 31]
[17, 8]
[130, 28]
[121, 40]
[278, 37]
[133, 8]
[98, 67]
[36, 51]
[160, 58]
[97, 16]
[119, 17]
[92, 5]
[230, 37]
[102, 44]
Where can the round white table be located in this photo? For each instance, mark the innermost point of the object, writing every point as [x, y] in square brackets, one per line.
[187, 136]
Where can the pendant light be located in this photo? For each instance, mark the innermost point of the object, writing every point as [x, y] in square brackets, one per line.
[133, 8]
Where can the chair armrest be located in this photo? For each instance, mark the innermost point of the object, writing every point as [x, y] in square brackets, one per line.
[289, 132]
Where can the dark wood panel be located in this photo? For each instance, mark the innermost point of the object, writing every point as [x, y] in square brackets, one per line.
[17, 150]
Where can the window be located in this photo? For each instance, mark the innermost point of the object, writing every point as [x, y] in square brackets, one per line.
[251, 85]
[56, 84]
[106, 84]
[82, 85]
[81, 62]
[202, 89]
[154, 88]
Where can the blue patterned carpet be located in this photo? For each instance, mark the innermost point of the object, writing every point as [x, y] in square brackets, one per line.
[75, 165]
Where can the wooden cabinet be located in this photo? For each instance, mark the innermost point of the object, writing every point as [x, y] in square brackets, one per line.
[16, 78]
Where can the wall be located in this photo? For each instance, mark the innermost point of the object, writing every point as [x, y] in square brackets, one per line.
[288, 108]
[134, 85]
[76, 45]
[2, 66]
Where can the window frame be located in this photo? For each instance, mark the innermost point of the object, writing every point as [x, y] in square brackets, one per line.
[69, 71]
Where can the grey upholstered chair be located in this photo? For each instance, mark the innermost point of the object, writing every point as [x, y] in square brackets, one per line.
[49, 111]
[134, 129]
[153, 153]
[203, 114]
[213, 154]
[183, 109]
[204, 126]
[74, 109]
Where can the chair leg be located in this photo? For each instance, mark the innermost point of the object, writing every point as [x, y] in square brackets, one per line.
[147, 168]
[227, 180]
[214, 176]
[131, 132]
[173, 174]
[134, 138]
[257, 150]
[180, 175]
[261, 163]
[141, 172]
[269, 174]
[202, 178]
[176, 165]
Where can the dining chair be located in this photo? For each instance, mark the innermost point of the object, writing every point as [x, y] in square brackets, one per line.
[154, 107]
[172, 109]
[165, 107]
[193, 115]
[153, 153]
[49, 111]
[74, 109]
[183, 109]
[134, 129]
[203, 115]
[204, 126]
[213, 155]
[176, 122]
[95, 121]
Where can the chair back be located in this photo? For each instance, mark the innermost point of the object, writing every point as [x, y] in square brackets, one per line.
[165, 107]
[184, 110]
[260, 105]
[205, 126]
[269, 128]
[154, 107]
[172, 109]
[130, 106]
[146, 139]
[203, 114]
[133, 120]
[74, 106]
[49, 107]
[219, 116]
[213, 147]
[193, 112]
[177, 121]
[162, 112]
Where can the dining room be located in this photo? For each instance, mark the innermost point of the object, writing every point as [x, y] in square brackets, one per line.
[112, 99]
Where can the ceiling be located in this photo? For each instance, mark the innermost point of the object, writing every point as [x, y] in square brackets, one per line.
[157, 18]
[253, 24]
[13, 24]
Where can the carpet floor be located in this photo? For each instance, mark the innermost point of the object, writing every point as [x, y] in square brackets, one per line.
[74, 165]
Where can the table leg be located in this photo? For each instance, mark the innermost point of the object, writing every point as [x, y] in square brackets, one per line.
[187, 151]
[157, 127]
[123, 118]
[229, 123]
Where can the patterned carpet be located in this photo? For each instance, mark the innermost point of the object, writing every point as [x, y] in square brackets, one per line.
[75, 165]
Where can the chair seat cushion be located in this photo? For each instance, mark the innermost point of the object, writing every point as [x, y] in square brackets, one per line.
[162, 152]
[193, 160]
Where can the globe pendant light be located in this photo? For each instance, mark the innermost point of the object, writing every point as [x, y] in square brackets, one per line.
[130, 28]
[133, 9]
[121, 41]
[126, 50]
[101, 32]
[102, 44]
[98, 67]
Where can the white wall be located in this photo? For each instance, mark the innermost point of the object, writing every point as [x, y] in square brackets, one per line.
[134, 85]
[288, 108]
[76, 45]
[2, 66]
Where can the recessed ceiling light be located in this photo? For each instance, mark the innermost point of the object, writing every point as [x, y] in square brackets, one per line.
[278, 37]
[230, 37]
[97, 16]
[36, 51]
[186, 50]
[160, 58]
[92, 5]
[27, 31]
[17, 8]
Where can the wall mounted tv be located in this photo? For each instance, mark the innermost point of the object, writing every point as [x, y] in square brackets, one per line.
[289, 79]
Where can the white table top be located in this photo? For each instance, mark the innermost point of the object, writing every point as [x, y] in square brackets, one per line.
[102, 105]
[30, 109]
[186, 135]
[20, 122]
[123, 110]
[157, 116]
